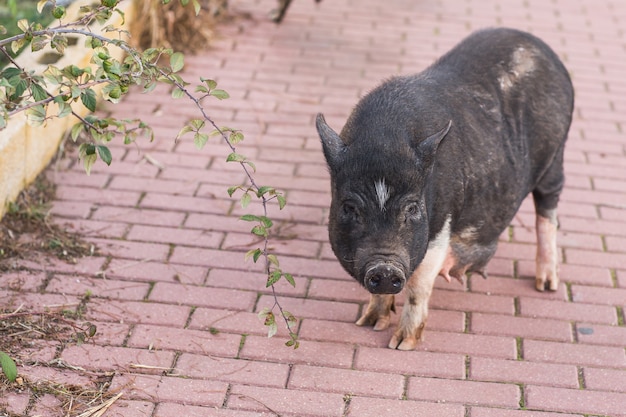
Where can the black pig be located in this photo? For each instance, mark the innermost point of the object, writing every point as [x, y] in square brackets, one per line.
[431, 168]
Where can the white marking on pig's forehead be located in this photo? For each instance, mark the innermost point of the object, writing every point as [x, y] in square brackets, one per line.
[382, 193]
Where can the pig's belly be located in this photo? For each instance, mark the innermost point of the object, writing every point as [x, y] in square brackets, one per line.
[463, 256]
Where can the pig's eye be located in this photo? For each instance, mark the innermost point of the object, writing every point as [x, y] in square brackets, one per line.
[349, 211]
[412, 211]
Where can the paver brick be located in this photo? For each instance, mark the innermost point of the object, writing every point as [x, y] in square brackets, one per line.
[202, 296]
[596, 295]
[370, 407]
[231, 321]
[569, 400]
[112, 357]
[576, 311]
[139, 251]
[244, 280]
[439, 365]
[575, 354]
[184, 340]
[171, 389]
[285, 402]
[601, 379]
[155, 271]
[97, 287]
[167, 409]
[513, 287]
[525, 372]
[137, 312]
[134, 215]
[337, 355]
[310, 308]
[464, 392]
[230, 370]
[371, 384]
[176, 236]
[499, 412]
[130, 408]
[498, 324]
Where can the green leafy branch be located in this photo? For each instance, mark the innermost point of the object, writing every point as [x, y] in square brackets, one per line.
[24, 91]
[265, 194]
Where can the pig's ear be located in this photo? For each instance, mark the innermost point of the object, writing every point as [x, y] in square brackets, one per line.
[331, 141]
[428, 147]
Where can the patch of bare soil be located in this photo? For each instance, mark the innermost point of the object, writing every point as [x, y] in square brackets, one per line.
[27, 230]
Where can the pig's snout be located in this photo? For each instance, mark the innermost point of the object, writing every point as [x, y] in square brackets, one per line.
[384, 278]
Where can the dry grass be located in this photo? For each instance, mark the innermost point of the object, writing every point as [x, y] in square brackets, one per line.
[176, 26]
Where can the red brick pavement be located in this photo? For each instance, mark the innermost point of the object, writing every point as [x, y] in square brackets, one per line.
[176, 306]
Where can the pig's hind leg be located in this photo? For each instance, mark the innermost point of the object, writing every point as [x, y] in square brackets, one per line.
[546, 197]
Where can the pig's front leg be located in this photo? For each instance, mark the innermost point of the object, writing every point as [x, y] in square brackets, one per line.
[547, 255]
[378, 312]
[418, 291]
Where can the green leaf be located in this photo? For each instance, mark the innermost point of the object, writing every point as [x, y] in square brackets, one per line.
[88, 98]
[290, 279]
[231, 190]
[245, 200]
[105, 154]
[255, 253]
[266, 221]
[76, 129]
[264, 190]
[290, 318]
[200, 139]
[149, 87]
[40, 5]
[235, 157]
[250, 218]
[259, 231]
[282, 202]
[251, 164]
[64, 109]
[235, 137]
[22, 24]
[211, 84]
[273, 278]
[219, 94]
[39, 93]
[177, 93]
[38, 43]
[177, 61]
[112, 92]
[273, 259]
[185, 129]
[88, 162]
[17, 45]
[8, 366]
[197, 124]
[196, 6]
[36, 115]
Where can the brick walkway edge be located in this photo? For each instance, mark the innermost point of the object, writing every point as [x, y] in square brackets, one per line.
[176, 305]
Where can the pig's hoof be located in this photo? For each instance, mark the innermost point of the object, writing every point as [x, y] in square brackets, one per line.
[408, 343]
[543, 284]
[379, 322]
[403, 340]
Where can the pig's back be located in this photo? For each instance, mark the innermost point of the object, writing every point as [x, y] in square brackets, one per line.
[510, 99]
